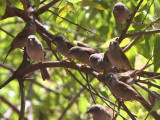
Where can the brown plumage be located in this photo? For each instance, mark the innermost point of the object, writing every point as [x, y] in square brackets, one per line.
[82, 54]
[35, 51]
[100, 113]
[121, 12]
[120, 89]
[117, 57]
[21, 39]
[126, 92]
[63, 45]
[100, 62]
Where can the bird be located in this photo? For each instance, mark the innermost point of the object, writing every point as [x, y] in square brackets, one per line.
[100, 62]
[120, 89]
[100, 113]
[35, 51]
[21, 39]
[117, 58]
[63, 45]
[82, 54]
[126, 93]
[121, 12]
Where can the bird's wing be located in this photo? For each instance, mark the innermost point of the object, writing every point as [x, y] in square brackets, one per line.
[21, 35]
[124, 57]
[69, 44]
[124, 86]
[90, 51]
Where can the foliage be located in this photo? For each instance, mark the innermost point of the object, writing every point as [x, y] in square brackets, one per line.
[96, 16]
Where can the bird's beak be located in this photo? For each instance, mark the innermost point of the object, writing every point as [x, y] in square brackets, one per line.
[88, 111]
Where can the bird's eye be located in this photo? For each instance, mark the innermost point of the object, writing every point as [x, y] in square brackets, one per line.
[115, 43]
[30, 40]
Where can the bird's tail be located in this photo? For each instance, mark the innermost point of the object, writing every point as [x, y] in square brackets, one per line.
[9, 51]
[44, 74]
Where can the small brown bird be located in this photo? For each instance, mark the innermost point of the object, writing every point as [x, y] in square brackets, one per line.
[127, 93]
[35, 51]
[120, 89]
[21, 39]
[117, 57]
[100, 113]
[63, 45]
[82, 54]
[100, 62]
[121, 12]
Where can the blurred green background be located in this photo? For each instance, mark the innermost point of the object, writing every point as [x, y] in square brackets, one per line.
[96, 16]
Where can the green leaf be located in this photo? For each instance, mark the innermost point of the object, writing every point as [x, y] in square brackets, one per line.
[143, 50]
[63, 11]
[73, 1]
[17, 4]
[143, 8]
[131, 54]
[83, 103]
[85, 3]
[147, 38]
[156, 106]
[156, 53]
[3, 8]
[37, 3]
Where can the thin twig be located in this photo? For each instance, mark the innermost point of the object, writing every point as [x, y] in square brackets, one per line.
[131, 43]
[147, 11]
[7, 67]
[149, 91]
[7, 32]
[10, 105]
[86, 79]
[151, 78]
[142, 33]
[149, 83]
[106, 102]
[71, 103]
[48, 89]
[73, 23]
[46, 7]
[22, 92]
[129, 23]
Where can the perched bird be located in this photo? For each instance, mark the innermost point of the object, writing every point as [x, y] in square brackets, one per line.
[120, 89]
[82, 54]
[100, 62]
[127, 93]
[21, 39]
[63, 45]
[117, 57]
[100, 113]
[35, 51]
[121, 12]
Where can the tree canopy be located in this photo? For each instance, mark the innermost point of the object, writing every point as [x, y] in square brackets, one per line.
[74, 87]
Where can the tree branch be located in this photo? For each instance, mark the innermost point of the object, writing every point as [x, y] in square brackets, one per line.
[22, 92]
[129, 22]
[142, 33]
[46, 7]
